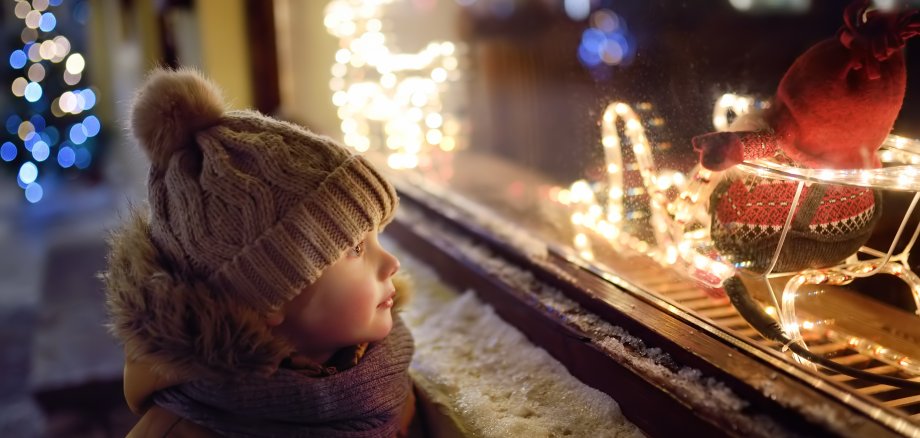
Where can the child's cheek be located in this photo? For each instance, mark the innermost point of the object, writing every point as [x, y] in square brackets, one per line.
[361, 299]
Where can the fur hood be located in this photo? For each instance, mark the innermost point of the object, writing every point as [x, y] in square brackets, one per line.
[182, 328]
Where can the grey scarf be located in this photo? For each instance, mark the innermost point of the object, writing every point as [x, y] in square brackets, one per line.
[362, 401]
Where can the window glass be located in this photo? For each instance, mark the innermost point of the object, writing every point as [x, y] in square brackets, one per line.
[575, 120]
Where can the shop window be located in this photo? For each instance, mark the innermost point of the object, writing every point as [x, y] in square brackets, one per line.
[573, 122]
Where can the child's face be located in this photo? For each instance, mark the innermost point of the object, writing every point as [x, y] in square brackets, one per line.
[349, 304]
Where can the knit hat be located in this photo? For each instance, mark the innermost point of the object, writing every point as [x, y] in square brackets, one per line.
[250, 205]
[836, 104]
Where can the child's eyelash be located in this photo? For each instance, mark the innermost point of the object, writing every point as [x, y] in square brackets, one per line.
[358, 250]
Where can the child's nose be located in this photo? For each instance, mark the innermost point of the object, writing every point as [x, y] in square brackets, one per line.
[390, 265]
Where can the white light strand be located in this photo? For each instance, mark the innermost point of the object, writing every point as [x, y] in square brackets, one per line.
[391, 101]
[590, 218]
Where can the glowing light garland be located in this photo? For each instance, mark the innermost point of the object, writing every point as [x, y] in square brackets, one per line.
[392, 101]
[617, 226]
[681, 227]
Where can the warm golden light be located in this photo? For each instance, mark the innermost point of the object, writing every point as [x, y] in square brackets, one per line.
[380, 90]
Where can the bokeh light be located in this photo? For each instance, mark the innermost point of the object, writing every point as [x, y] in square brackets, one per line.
[34, 52]
[606, 42]
[18, 59]
[89, 98]
[19, 86]
[72, 79]
[38, 122]
[91, 125]
[8, 151]
[75, 64]
[47, 49]
[33, 92]
[34, 192]
[32, 19]
[22, 9]
[28, 172]
[78, 133]
[28, 35]
[39, 5]
[40, 151]
[83, 158]
[66, 157]
[12, 123]
[36, 73]
[47, 22]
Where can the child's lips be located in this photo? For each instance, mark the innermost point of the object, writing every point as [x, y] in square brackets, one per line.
[387, 303]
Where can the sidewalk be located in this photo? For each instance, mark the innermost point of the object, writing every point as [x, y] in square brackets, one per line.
[62, 369]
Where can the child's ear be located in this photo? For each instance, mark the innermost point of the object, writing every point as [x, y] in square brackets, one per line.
[274, 319]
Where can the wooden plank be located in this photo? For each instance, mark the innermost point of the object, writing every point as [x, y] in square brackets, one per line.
[901, 402]
[687, 295]
[719, 312]
[858, 315]
[734, 322]
[878, 389]
[881, 369]
[852, 359]
[705, 303]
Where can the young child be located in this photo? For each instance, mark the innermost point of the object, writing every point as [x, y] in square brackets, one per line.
[254, 298]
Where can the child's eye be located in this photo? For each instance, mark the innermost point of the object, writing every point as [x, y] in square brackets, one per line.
[357, 250]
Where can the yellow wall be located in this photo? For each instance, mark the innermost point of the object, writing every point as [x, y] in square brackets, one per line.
[224, 51]
[306, 53]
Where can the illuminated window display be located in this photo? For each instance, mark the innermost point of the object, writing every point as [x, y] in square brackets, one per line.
[750, 164]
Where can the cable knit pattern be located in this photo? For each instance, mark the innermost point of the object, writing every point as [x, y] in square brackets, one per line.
[362, 401]
[252, 205]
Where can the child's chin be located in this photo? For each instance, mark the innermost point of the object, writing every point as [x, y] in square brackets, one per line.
[384, 328]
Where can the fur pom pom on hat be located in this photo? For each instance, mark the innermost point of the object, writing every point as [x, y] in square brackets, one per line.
[249, 205]
[171, 108]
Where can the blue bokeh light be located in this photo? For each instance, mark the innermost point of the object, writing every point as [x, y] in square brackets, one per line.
[83, 158]
[18, 59]
[12, 124]
[8, 151]
[55, 2]
[47, 22]
[92, 126]
[66, 157]
[30, 140]
[89, 98]
[40, 151]
[38, 122]
[34, 192]
[588, 57]
[78, 133]
[33, 92]
[593, 39]
[28, 172]
[51, 135]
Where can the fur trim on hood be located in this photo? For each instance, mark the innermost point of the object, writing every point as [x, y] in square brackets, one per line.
[184, 329]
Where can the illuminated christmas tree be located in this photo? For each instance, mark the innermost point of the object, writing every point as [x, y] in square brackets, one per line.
[49, 133]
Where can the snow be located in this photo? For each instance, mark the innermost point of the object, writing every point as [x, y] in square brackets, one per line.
[457, 336]
[491, 380]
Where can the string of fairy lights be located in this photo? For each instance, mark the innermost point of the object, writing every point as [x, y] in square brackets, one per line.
[396, 100]
[386, 97]
[51, 127]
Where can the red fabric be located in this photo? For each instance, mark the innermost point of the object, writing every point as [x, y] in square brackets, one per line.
[838, 101]
[764, 203]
